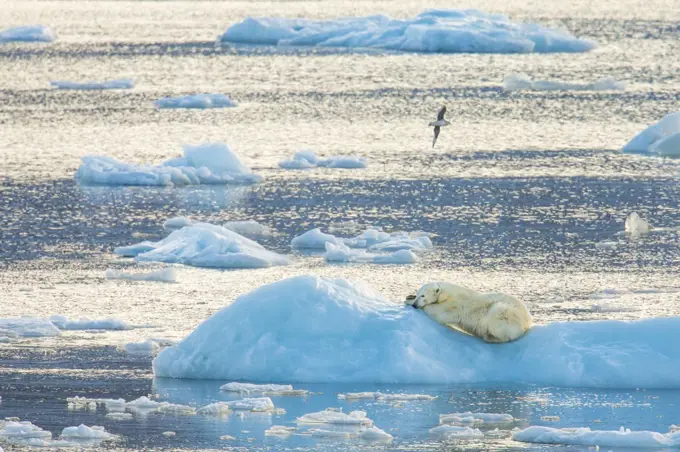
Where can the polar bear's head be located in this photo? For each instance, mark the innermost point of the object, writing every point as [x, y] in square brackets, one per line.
[427, 294]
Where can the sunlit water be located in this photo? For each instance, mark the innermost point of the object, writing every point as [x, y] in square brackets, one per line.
[518, 191]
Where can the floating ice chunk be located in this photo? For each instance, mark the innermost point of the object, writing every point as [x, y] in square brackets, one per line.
[29, 33]
[169, 434]
[215, 409]
[205, 245]
[146, 348]
[476, 419]
[455, 432]
[385, 397]
[85, 432]
[342, 253]
[5, 340]
[280, 430]
[14, 431]
[177, 223]
[517, 82]
[367, 338]
[124, 83]
[168, 274]
[249, 228]
[27, 327]
[668, 146]
[227, 438]
[174, 408]
[208, 163]
[446, 31]
[91, 404]
[252, 404]
[604, 438]
[335, 417]
[606, 245]
[64, 323]
[636, 226]
[330, 434]
[550, 418]
[403, 242]
[314, 239]
[201, 101]
[118, 416]
[266, 389]
[643, 142]
[308, 159]
[374, 434]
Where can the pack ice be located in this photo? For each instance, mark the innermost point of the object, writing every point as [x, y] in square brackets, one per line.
[434, 30]
[312, 329]
[205, 245]
[208, 163]
[27, 33]
[661, 138]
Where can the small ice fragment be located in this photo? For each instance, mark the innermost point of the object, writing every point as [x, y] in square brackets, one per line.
[550, 418]
[118, 416]
[280, 431]
[455, 432]
[169, 434]
[215, 409]
[374, 434]
[146, 348]
[636, 226]
[168, 275]
[227, 438]
[334, 417]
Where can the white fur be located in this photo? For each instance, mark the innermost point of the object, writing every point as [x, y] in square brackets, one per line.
[494, 317]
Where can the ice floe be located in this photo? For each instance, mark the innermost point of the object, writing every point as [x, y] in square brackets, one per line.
[169, 434]
[636, 226]
[385, 396]
[372, 239]
[445, 30]
[64, 323]
[145, 348]
[476, 419]
[27, 327]
[661, 138]
[452, 432]
[308, 159]
[27, 33]
[118, 416]
[257, 404]
[168, 275]
[584, 436]
[208, 163]
[342, 253]
[205, 245]
[266, 389]
[313, 329]
[84, 432]
[200, 101]
[280, 430]
[248, 228]
[124, 83]
[25, 433]
[335, 417]
[145, 405]
[215, 409]
[519, 82]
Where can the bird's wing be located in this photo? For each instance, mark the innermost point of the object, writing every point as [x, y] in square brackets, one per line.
[440, 115]
[436, 134]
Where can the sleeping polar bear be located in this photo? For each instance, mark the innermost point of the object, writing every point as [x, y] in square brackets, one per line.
[494, 317]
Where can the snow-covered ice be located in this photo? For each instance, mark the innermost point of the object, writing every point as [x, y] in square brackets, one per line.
[374, 434]
[445, 31]
[124, 83]
[476, 419]
[248, 228]
[200, 101]
[448, 432]
[64, 323]
[168, 274]
[16, 431]
[518, 82]
[145, 348]
[659, 138]
[215, 409]
[385, 396]
[636, 226]
[27, 327]
[266, 389]
[584, 436]
[276, 332]
[314, 240]
[371, 239]
[280, 430]
[261, 404]
[205, 245]
[308, 159]
[84, 432]
[27, 33]
[342, 253]
[207, 163]
[335, 417]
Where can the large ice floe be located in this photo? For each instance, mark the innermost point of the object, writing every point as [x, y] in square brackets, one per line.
[27, 33]
[445, 31]
[308, 159]
[123, 83]
[199, 101]
[661, 138]
[312, 329]
[519, 82]
[205, 245]
[623, 438]
[208, 163]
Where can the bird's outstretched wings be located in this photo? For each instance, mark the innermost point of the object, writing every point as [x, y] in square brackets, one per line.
[440, 115]
[436, 134]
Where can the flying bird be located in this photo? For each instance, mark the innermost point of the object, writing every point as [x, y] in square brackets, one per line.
[439, 123]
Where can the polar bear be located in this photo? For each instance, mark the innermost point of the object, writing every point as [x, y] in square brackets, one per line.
[494, 317]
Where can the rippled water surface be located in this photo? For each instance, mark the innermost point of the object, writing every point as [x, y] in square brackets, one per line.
[517, 192]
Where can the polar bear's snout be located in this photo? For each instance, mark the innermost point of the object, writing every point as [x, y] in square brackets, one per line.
[428, 294]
